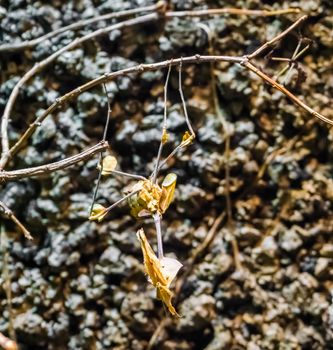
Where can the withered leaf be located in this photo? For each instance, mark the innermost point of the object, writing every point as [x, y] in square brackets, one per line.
[160, 272]
[165, 136]
[109, 163]
[168, 191]
[187, 139]
[98, 212]
[163, 293]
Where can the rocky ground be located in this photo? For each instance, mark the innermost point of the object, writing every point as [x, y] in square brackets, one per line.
[81, 284]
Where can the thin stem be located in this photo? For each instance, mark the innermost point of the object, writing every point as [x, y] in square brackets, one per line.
[16, 221]
[271, 43]
[183, 99]
[52, 167]
[169, 156]
[157, 221]
[164, 128]
[286, 92]
[284, 69]
[232, 11]
[224, 123]
[292, 65]
[108, 209]
[108, 117]
[121, 173]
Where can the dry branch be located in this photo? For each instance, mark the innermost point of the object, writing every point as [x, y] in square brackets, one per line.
[52, 167]
[285, 91]
[232, 11]
[270, 44]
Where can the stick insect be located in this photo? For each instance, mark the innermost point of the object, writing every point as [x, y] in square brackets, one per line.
[147, 198]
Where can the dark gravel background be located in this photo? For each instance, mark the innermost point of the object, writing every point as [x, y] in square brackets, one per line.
[80, 285]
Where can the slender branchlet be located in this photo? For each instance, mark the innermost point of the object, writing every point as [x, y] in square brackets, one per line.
[157, 221]
[107, 122]
[164, 135]
[187, 119]
[121, 200]
[183, 99]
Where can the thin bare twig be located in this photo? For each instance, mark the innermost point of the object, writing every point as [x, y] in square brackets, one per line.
[170, 14]
[188, 122]
[12, 217]
[227, 140]
[183, 99]
[52, 167]
[164, 128]
[157, 221]
[232, 11]
[108, 117]
[277, 38]
[121, 200]
[283, 70]
[285, 91]
[133, 176]
[28, 44]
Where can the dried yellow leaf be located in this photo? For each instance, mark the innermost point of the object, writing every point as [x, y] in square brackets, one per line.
[168, 191]
[164, 294]
[165, 136]
[160, 272]
[109, 163]
[187, 139]
[98, 212]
